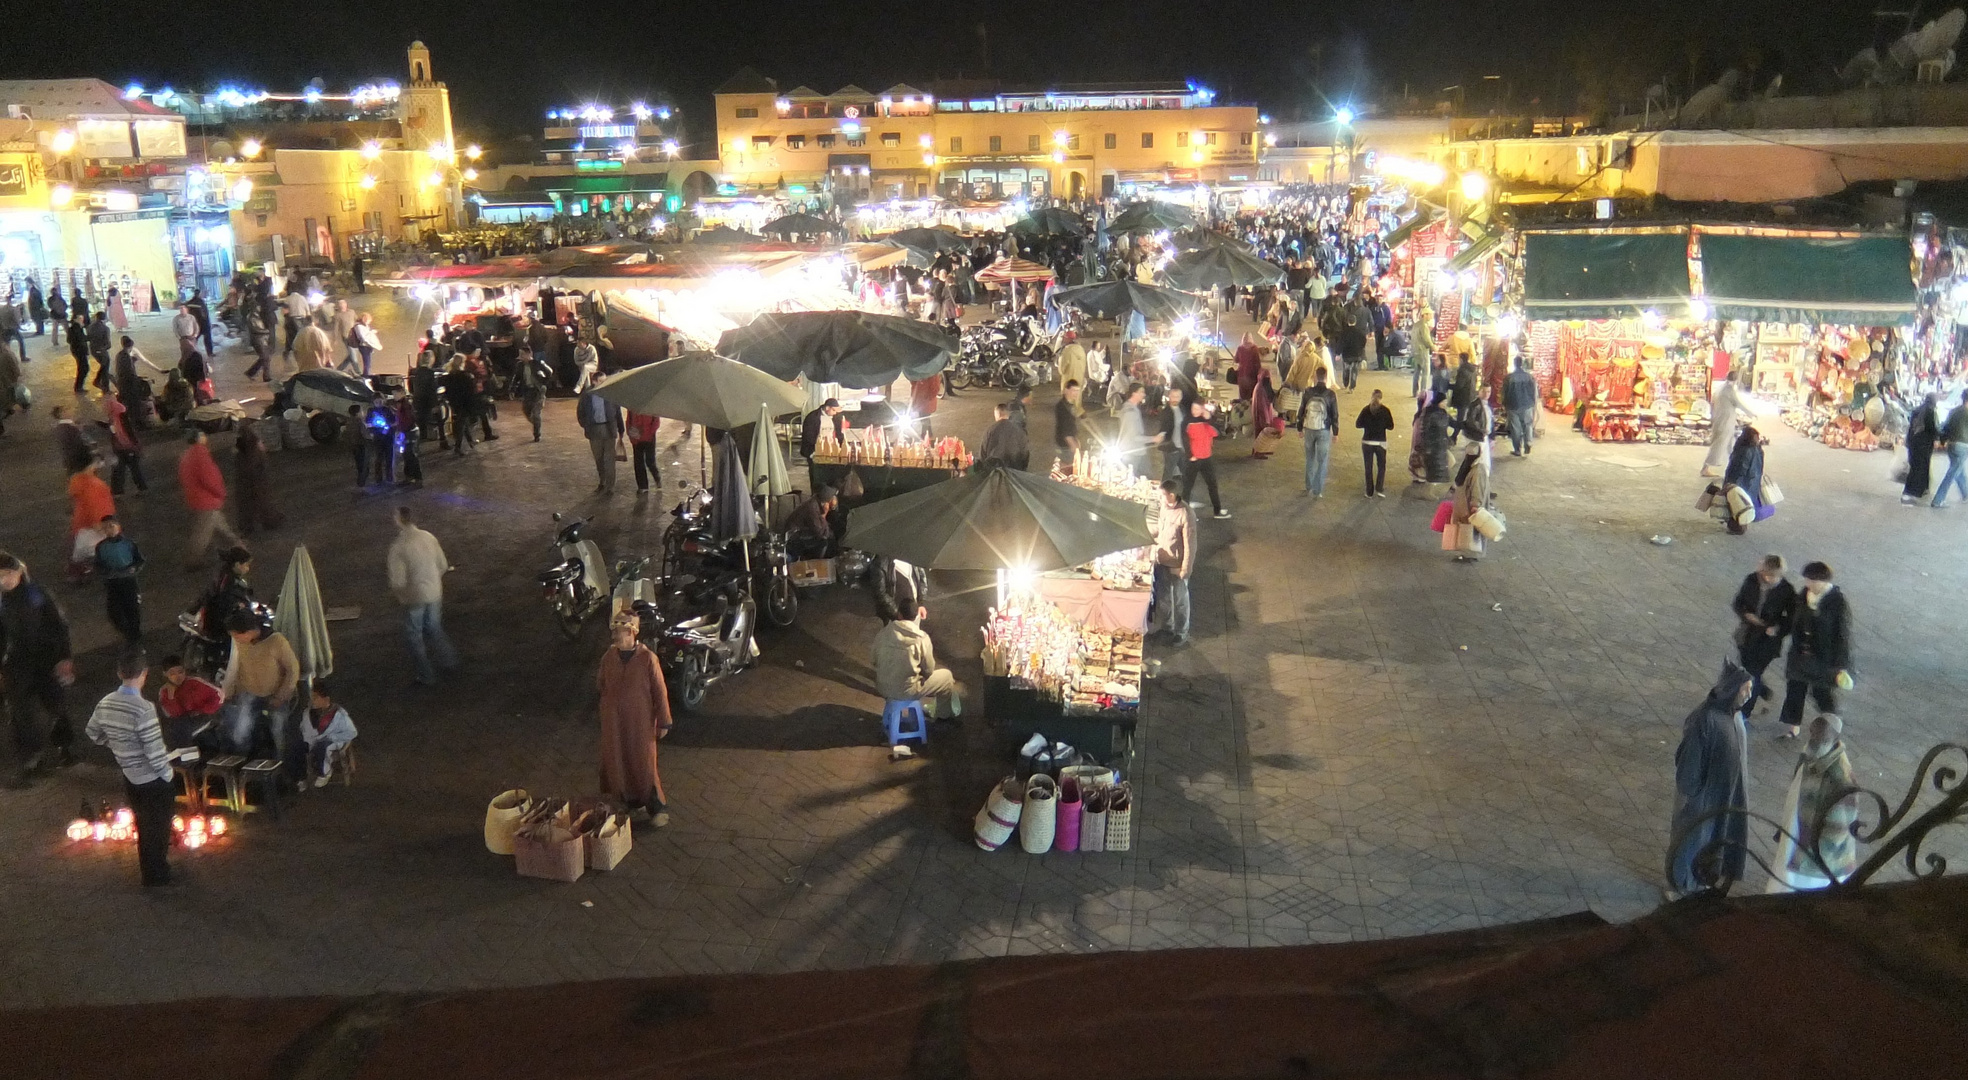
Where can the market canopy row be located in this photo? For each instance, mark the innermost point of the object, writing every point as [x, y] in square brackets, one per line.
[1815, 279]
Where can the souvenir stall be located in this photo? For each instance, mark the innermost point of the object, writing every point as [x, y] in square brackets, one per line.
[1818, 318]
[1114, 591]
[884, 462]
[1934, 349]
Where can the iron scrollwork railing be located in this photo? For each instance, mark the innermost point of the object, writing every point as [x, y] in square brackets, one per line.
[1896, 834]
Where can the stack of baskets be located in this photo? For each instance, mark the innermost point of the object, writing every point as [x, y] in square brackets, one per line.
[1085, 809]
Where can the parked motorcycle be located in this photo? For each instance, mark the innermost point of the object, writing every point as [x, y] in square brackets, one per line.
[701, 650]
[207, 656]
[578, 587]
[689, 546]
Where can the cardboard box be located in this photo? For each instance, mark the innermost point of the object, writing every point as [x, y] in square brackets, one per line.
[809, 572]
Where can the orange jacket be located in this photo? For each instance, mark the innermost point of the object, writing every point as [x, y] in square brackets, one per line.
[91, 499]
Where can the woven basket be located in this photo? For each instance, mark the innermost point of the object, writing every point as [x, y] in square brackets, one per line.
[1069, 816]
[1120, 818]
[999, 817]
[502, 817]
[1041, 818]
[1093, 821]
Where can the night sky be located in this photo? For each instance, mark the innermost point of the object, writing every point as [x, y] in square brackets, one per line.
[508, 62]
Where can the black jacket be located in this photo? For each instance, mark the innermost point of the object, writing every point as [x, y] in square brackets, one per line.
[33, 630]
[1374, 422]
[1776, 607]
[1314, 395]
[810, 430]
[1820, 640]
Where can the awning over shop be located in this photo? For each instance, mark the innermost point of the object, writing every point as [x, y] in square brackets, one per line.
[511, 198]
[1843, 280]
[633, 184]
[1605, 275]
[1485, 244]
[1429, 215]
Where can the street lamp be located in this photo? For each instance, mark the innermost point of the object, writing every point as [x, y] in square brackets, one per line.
[250, 148]
[670, 148]
[1474, 186]
[473, 152]
[63, 141]
[372, 150]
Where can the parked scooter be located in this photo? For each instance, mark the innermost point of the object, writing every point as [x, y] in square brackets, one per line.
[578, 588]
[689, 546]
[702, 650]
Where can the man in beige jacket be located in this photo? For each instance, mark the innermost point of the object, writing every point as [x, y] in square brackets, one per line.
[905, 665]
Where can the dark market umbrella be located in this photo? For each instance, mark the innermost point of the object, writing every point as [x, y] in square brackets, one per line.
[1192, 239]
[856, 349]
[701, 388]
[1050, 221]
[800, 225]
[997, 519]
[330, 391]
[1151, 217]
[1218, 268]
[1114, 299]
[732, 515]
[725, 234]
[932, 241]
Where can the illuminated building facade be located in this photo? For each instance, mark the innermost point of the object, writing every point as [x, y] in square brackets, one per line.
[979, 140]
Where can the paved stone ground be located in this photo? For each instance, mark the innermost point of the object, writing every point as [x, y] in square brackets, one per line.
[1327, 762]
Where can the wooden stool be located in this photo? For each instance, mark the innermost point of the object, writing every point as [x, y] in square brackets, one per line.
[226, 771]
[187, 769]
[264, 771]
[341, 762]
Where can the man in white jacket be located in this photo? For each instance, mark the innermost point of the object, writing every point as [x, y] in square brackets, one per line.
[416, 575]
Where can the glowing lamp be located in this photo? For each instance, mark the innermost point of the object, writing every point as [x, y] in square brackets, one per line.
[1507, 326]
[929, 159]
[99, 831]
[472, 174]
[243, 190]
[194, 839]
[1196, 156]
[80, 829]
[250, 148]
[215, 825]
[372, 150]
[63, 141]
[177, 823]
[1060, 138]
[368, 182]
[669, 148]
[1698, 310]
[1342, 116]
[1474, 186]
[61, 195]
[474, 151]
[1059, 155]
[433, 180]
[438, 152]
[124, 816]
[925, 141]
[119, 831]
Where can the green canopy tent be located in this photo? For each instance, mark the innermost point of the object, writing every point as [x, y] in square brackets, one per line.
[1428, 215]
[701, 388]
[801, 225]
[998, 519]
[1151, 217]
[857, 349]
[1191, 239]
[1050, 221]
[1838, 280]
[1604, 275]
[1115, 299]
[1218, 268]
[931, 241]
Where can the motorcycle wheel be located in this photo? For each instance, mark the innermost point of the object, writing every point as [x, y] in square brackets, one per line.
[690, 684]
[567, 616]
[323, 427]
[782, 602]
[960, 378]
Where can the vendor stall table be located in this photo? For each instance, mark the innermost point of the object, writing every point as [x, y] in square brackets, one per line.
[879, 481]
[1107, 735]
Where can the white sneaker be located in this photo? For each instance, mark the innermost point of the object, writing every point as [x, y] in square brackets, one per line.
[321, 781]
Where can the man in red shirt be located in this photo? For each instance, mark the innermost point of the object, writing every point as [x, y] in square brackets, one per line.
[642, 447]
[188, 703]
[129, 452]
[1199, 436]
[204, 495]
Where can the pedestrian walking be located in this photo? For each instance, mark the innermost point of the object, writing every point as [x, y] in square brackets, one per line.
[635, 715]
[1923, 431]
[127, 724]
[1955, 432]
[530, 377]
[481, 395]
[296, 313]
[341, 330]
[1820, 662]
[252, 479]
[1066, 422]
[1726, 405]
[90, 501]
[601, 422]
[37, 310]
[201, 312]
[1175, 424]
[1711, 791]
[364, 339]
[1318, 418]
[185, 326]
[1374, 422]
[57, 316]
[1763, 617]
[36, 666]
[461, 391]
[118, 562]
[260, 336]
[116, 310]
[204, 493]
[11, 397]
[1520, 404]
[100, 341]
[1815, 848]
[641, 429]
[10, 325]
[1175, 560]
[1199, 437]
[417, 565]
[77, 337]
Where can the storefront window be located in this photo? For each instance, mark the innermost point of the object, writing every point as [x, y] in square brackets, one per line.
[1109, 141]
[956, 144]
[997, 144]
[1031, 142]
[1147, 140]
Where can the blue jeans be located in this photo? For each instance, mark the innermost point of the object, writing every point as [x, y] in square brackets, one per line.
[1957, 473]
[240, 715]
[1522, 423]
[1174, 591]
[1318, 454]
[428, 619]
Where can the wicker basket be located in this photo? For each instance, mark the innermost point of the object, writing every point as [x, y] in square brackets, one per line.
[1000, 815]
[1041, 818]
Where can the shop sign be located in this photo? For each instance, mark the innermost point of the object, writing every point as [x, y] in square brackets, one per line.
[129, 215]
[20, 175]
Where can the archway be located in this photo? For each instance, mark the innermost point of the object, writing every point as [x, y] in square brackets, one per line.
[1076, 186]
[696, 186]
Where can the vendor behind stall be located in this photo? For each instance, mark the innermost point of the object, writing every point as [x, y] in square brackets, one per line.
[809, 532]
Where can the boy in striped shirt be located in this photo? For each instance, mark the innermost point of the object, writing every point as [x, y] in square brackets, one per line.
[127, 724]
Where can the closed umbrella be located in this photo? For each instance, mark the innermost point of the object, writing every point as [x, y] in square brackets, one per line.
[1113, 299]
[1010, 269]
[1050, 221]
[932, 241]
[299, 617]
[1219, 268]
[1151, 217]
[732, 515]
[997, 519]
[701, 388]
[856, 349]
[800, 225]
[767, 475]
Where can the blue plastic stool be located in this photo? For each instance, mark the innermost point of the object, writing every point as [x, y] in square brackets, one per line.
[893, 715]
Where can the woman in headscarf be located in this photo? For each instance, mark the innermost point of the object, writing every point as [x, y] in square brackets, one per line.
[1818, 813]
[252, 483]
[1711, 778]
[1249, 360]
[1470, 494]
[1923, 427]
[1742, 485]
[1267, 427]
[635, 713]
[1309, 357]
[113, 304]
[1433, 428]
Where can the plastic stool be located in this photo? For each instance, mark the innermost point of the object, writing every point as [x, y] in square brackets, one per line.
[265, 772]
[893, 715]
[225, 770]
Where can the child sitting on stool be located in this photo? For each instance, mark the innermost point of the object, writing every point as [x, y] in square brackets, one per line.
[326, 729]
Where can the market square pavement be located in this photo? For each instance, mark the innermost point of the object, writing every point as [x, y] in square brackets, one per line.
[1365, 739]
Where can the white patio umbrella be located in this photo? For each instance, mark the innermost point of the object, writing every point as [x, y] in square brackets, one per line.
[300, 617]
[768, 475]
